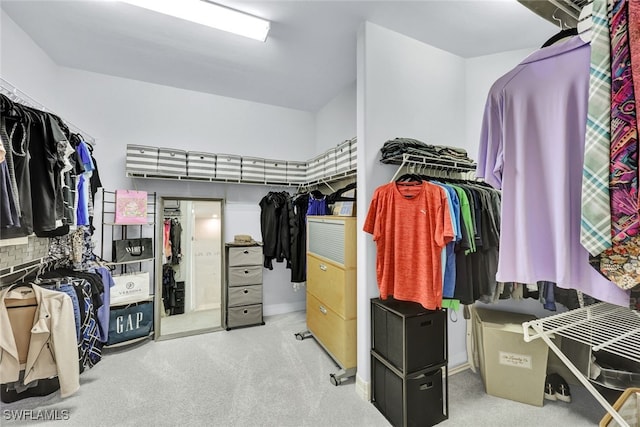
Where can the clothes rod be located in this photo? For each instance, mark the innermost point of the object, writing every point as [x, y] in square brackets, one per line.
[16, 95]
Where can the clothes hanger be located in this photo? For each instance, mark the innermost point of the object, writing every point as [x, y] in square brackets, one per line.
[564, 32]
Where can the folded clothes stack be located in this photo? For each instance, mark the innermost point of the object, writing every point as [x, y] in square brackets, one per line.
[393, 150]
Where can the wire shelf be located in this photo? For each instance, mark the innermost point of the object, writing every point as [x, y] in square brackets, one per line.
[601, 326]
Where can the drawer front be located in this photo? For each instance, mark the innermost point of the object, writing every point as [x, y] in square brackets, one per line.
[172, 162]
[275, 170]
[330, 162]
[243, 316]
[247, 275]
[201, 164]
[332, 285]
[337, 335]
[315, 168]
[343, 157]
[297, 172]
[142, 159]
[245, 295]
[228, 166]
[354, 154]
[245, 255]
[252, 169]
[327, 239]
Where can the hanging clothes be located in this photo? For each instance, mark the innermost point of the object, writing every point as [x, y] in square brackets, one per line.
[276, 209]
[411, 224]
[298, 222]
[46, 345]
[532, 147]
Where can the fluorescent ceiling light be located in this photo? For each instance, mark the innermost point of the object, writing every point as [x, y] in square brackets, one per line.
[211, 15]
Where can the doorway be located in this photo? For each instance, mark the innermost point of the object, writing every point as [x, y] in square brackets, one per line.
[189, 287]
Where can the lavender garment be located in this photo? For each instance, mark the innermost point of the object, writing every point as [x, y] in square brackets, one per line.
[532, 147]
[103, 310]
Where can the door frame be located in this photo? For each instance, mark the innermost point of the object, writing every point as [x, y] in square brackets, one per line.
[157, 334]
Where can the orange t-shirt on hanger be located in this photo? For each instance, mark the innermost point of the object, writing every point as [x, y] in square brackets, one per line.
[410, 224]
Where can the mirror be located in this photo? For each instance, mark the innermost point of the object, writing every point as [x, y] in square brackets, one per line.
[189, 285]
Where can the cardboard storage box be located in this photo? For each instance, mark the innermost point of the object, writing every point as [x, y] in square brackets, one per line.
[510, 367]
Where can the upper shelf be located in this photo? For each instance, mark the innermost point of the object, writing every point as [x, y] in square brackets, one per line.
[557, 11]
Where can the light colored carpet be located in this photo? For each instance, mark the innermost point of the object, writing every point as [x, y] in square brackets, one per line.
[262, 376]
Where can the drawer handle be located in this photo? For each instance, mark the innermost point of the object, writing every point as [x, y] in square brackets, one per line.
[246, 272]
[246, 311]
[426, 386]
[246, 291]
[426, 323]
[323, 310]
[245, 252]
[323, 267]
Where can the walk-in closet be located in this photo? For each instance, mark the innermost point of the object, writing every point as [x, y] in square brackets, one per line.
[312, 213]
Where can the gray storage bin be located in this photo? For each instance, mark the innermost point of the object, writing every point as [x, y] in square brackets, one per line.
[329, 163]
[252, 169]
[247, 275]
[275, 170]
[142, 159]
[172, 162]
[245, 295]
[244, 315]
[201, 164]
[354, 154]
[297, 172]
[245, 255]
[343, 157]
[315, 168]
[228, 166]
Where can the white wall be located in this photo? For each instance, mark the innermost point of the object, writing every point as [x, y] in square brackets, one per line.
[405, 89]
[336, 121]
[119, 111]
[481, 72]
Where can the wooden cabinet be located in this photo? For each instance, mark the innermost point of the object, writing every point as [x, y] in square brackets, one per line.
[244, 286]
[331, 288]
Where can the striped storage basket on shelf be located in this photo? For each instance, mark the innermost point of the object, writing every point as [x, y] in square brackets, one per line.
[297, 172]
[315, 168]
[201, 165]
[343, 157]
[329, 163]
[252, 169]
[142, 159]
[172, 162]
[228, 166]
[275, 171]
[354, 154]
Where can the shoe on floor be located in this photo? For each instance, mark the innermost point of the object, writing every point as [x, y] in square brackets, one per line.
[549, 388]
[562, 390]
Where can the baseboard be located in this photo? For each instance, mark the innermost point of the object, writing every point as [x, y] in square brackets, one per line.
[459, 368]
[273, 309]
[363, 389]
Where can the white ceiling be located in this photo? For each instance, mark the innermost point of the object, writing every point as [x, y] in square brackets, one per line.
[309, 56]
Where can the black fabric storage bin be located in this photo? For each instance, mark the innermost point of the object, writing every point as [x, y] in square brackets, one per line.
[409, 336]
[417, 399]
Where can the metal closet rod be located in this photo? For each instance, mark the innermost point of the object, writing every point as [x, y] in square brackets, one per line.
[16, 95]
